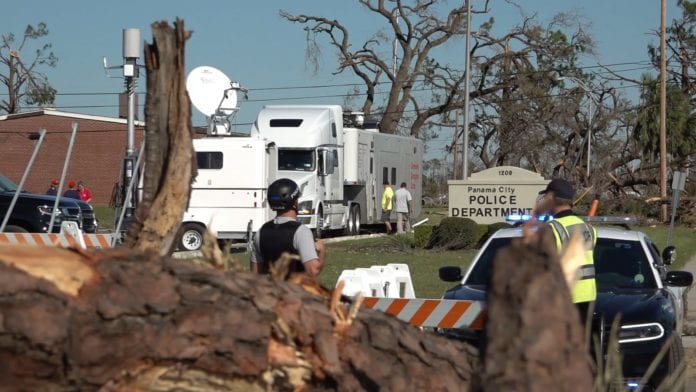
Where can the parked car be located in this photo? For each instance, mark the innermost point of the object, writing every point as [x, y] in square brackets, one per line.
[32, 212]
[632, 281]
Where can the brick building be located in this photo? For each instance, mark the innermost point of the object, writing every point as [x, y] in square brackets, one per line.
[97, 154]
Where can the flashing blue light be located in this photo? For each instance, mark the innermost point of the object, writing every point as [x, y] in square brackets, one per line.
[632, 385]
[519, 218]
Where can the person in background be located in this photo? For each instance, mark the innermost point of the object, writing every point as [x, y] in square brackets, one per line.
[557, 200]
[72, 192]
[85, 193]
[53, 188]
[387, 205]
[403, 204]
[286, 234]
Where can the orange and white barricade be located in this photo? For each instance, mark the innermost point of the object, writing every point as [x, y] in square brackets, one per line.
[434, 313]
[68, 237]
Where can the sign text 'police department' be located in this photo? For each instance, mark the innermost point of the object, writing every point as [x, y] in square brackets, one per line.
[492, 194]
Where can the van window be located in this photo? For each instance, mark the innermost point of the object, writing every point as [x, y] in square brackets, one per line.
[209, 159]
[393, 179]
[335, 157]
[385, 174]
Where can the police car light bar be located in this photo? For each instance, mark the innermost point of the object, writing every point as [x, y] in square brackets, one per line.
[520, 218]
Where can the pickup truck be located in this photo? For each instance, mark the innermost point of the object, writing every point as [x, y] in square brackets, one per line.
[32, 212]
[632, 281]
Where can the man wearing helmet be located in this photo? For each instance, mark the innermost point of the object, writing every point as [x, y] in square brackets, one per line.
[285, 234]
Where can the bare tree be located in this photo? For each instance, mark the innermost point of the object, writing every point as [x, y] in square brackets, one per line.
[24, 82]
[419, 30]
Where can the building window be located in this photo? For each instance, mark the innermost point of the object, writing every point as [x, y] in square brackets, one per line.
[393, 179]
[385, 174]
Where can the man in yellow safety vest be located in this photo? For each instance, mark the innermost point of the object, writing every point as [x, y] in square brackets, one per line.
[558, 196]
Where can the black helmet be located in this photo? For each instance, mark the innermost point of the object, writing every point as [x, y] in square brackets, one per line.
[282, 194]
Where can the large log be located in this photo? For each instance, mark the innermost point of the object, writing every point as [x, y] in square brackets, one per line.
[132, 321]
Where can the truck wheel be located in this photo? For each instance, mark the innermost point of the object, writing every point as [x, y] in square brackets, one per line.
[15, 229]
[350, 229]
[191, 237]
[356, 219]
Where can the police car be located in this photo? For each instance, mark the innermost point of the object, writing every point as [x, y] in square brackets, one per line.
[632, 281]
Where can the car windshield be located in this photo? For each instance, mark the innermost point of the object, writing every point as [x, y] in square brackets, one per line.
[6, 185]
[621, 264]
[302, 160]
[481, 274]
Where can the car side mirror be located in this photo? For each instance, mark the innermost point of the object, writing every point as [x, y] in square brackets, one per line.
[679, 278]
[450, 273]
[669, 255]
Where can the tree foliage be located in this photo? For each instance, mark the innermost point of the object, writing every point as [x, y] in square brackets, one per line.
[681, 88]
[681, 122]
[21, 75]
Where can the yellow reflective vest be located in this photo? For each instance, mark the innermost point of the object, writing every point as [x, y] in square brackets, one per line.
[585, 288]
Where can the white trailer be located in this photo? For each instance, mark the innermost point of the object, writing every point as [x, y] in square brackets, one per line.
[340, 169]
[229, 193]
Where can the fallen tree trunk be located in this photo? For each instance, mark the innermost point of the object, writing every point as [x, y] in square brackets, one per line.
[131, 321]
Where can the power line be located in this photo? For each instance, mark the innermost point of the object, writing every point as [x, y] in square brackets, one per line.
[644, 65]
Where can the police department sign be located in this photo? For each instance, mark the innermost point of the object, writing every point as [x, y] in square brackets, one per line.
[490, 195]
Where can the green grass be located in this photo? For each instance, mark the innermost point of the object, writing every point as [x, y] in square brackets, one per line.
[424, 264]
[106, 217]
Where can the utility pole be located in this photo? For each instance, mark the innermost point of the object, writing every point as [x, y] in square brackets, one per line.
[455, 149]
[663, 110]
[465, 142]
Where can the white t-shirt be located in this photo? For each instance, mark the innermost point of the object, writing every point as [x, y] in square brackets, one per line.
[401, 198]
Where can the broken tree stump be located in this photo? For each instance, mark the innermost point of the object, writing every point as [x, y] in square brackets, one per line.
[122, 320]
[535, 337]
[169, 156]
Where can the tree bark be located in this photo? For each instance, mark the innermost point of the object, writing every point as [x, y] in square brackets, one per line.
[535, 337]
[124, 320]
[169, 155]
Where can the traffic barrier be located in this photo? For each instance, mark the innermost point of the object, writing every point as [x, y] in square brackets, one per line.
[434, 313]
[384, 281]
[362, 280]
[69, 236]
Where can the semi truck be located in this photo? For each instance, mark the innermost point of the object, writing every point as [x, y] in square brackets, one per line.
[338, 160]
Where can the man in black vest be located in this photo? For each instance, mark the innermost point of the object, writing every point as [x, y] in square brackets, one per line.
[285, 234]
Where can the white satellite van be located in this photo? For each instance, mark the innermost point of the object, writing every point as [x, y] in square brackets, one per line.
[338, 161]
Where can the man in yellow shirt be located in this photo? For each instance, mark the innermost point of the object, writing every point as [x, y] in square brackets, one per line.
[387, 205]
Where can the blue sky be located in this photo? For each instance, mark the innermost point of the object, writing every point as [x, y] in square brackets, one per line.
[251, 43]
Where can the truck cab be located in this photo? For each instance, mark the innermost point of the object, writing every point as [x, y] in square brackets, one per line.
[310, 152]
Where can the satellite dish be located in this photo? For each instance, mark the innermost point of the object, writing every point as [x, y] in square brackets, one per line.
[210, 91]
